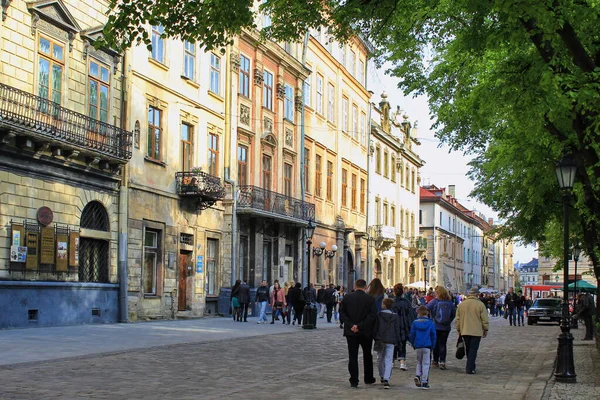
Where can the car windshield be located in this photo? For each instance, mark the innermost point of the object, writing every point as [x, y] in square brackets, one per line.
[547, 303]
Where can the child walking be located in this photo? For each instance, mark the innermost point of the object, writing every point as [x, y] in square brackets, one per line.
[422, 338]
[386, 337]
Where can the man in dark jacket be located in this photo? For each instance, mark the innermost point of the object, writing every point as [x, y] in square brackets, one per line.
[262, 299]
[511, 301]
[359, 314]
[406, 313]
[244, 299]
[329, 300]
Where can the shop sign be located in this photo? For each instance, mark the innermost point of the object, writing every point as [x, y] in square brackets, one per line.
[47, 246]
[62, 262]
[32, 251]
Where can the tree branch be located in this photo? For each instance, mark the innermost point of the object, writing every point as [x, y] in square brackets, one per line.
[550, 127]
[579, 54]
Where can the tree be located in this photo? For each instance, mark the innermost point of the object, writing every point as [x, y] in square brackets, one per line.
[515, 83]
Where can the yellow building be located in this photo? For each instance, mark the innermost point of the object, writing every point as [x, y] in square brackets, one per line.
[63, 149]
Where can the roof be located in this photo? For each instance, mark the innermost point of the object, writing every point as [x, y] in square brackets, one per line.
[433, 193]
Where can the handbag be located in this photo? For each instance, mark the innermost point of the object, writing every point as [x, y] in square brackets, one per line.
[505, 312]
[278, 304]
[460, 348]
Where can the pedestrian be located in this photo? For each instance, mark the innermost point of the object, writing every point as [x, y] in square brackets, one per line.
[443, 313]
[472, 324]
[321, 300]
[376, 290]
[387, 336]
[296, 297]
[520, 306]
[262, 299]
[492, 305]
[244, 299]
[276, 281]
[359, 314]
[288, 308]
[277, 303]
[422, 338]
[235, 304]
[587, 309]
[406, 313]
[339, 296]
[329, 300]
[510, 302]
[310, 295]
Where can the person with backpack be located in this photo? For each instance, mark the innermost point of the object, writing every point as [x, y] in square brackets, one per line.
[443, 312]
[387, 336]
[406, 313]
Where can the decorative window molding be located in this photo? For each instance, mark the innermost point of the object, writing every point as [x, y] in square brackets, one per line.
[235, 62]
[280, 91]
[104, 54]
[54, 13]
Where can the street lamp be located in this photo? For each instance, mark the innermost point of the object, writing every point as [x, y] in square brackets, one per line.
[425, 261]
[565, 366]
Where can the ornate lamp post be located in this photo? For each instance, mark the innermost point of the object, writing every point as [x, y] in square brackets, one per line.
[425, 261]
[565, 366]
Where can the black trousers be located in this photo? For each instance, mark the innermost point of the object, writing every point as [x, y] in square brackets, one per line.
[439, 351]
[589, 327]
[329, 311]
[354, 342]
[471, 347]
[243, 311]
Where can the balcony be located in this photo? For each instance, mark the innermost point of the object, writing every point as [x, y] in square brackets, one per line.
[47, 125]
[266, 203]
[417, 246]
[203, 188]
[385, 237]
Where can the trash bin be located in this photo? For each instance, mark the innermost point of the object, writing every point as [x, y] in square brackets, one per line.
[309, 317]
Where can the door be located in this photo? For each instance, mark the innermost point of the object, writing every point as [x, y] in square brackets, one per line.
[182, 290]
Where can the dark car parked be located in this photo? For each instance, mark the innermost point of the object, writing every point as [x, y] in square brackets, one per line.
[544, 310]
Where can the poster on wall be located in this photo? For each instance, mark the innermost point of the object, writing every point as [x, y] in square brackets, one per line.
[47, 246]
[199, 265]
[32, 251]
[18, 254]
[62, 264]
[74, 249]
[18, 235]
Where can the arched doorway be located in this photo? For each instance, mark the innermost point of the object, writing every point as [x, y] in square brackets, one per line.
[94, 253]
[351, 271]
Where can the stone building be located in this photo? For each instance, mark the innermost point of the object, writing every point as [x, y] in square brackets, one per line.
[395, 246]
[62, 154]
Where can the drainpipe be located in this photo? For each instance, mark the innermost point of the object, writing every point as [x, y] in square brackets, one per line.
[227, 170]
[302, 155]
[123, 211]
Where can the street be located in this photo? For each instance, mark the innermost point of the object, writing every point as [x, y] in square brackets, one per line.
[214, 359]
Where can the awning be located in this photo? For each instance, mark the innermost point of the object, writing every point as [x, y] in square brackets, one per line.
[542, 288]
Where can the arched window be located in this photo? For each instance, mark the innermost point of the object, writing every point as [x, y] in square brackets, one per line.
[93, 247]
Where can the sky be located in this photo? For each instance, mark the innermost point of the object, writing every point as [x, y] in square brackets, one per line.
[442, 166]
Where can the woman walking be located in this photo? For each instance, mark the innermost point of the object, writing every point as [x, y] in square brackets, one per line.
[443, 312]
[407, 315]
[235, 304]
[277, 302]
[288, 309]
[376, 290]
[296, 298]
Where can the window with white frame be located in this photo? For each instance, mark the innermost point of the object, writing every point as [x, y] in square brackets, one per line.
[345, 115]
[352, 63]
[151, 260]
[212, 259]
[158, 43]
[99, 88]
[319, 94]
[244, 76]
[51, 66]
[215, 74]
[355, 121]
[268, 90]
[288, 104]
[306, 91]
[189, 60]
[266, 18]
[330, 102]
[361, 72]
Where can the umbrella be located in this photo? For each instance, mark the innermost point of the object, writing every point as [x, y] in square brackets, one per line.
[583, 286]
[418, 285]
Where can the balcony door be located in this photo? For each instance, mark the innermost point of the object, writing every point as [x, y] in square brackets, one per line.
[267, 165]
[186, 147]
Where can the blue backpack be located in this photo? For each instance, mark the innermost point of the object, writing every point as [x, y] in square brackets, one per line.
[443, 312]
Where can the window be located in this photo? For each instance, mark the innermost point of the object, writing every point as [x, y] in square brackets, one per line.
[158, 43]
[245, 76]
[306, 170]
[151, 257]
[242, 165]
[407, 175]
[213, 154]
[343, 55]
[353, 192]
[330, 102]
[345, 115]
[99, 84]
[288, 104]
[266, 18]
[386, 164]
[352, 63]
[318, 175]
[266, 172]
[361, 72]
[393, 216]
[319, 94]
[306, 91]
[329, 180]
[440, 218]
[51, 66]
[344, 187]
[189, 59]
[420, 217]
[154, 133]
[401, 172]
[378, 159]
[355, 121]
[215, 74]
[413, 181]
[268, 90]
[329, 43]
[212, 258]
[287, 47]
[363, 195]
[287, 179]
[393, 169]
[363, 127]
[186, 146]
[377, 211]
[385, 214]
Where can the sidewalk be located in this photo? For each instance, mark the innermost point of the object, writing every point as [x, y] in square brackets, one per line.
[44, 344]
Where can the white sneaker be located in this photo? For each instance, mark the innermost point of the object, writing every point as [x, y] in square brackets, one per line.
[258, 322]
[403, 365]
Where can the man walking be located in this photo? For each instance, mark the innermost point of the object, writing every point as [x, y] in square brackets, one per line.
[244, 299]
[359, 314]
[329, 300]
[510, 302]
[262, 299]
[321, 300]
[472, 324]
[587, 309]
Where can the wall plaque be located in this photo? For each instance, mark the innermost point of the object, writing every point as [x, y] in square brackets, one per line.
[74, 249]
[47, 246]
[62, 247]
[32, 251]
[45, 216]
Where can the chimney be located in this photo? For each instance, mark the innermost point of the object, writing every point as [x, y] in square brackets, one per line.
[452, 190]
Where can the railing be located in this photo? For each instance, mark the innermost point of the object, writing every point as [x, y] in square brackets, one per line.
[418, 243]
[385, 232]
[199, 184]
[23, 110]
[256, 198]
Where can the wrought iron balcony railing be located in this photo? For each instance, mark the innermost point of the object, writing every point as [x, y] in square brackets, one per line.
[26, 112]
[199, 184]
[418, 243]
[259, 199]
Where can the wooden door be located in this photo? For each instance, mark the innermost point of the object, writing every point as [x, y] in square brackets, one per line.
[182, 290]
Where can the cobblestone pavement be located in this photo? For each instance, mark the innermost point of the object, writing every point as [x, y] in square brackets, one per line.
[513, 363]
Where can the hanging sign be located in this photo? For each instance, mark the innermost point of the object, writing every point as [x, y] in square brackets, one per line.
[47, 246]
[74, 249]
[32, 251]
[62, 247]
